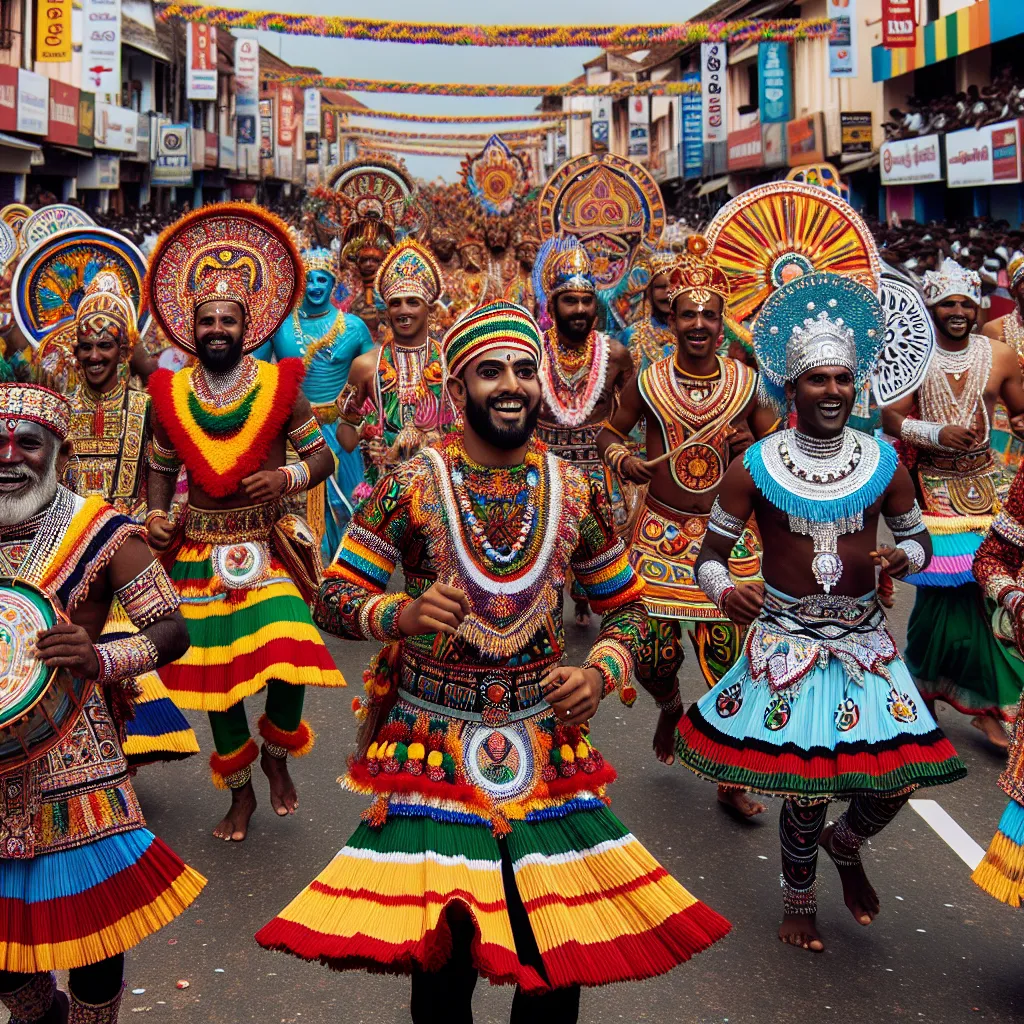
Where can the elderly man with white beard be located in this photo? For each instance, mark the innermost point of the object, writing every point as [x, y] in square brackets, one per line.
[81, 878]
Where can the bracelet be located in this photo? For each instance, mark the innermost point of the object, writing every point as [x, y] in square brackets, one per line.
[920, 433]
[307, 438]
[1011, 597]
[906, 524]
[915, 555]
[125, 658]
[1009, 529]
[799, 902]
[608, 658]
[725, 524]
[155, 513]
[998, 585]
[614, 454]
[296, 475]
[379, 615]
[714, 579]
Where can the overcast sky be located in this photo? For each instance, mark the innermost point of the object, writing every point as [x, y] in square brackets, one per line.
[403, 62]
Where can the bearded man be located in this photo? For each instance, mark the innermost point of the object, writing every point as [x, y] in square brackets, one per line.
[83, 879]
[220, 283]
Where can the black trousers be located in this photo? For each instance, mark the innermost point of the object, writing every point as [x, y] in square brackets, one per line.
[95, 984]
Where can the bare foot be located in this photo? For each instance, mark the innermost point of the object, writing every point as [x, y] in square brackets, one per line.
[665, 735]
[583, 614]
[801, 930]
[235, 825]
[993, 731]
[858, 893]
[283, 797]
[739, 802]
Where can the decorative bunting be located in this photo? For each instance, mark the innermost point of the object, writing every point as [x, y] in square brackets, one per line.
[529, 135]
[394, 115]
[412, 150]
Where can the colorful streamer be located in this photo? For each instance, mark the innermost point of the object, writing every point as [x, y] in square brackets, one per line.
[411, 150]
[631, 37]
[528, 136]
[613, 89]
[394, 115]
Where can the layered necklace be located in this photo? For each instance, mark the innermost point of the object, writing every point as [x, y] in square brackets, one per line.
[695, 387]
[108, 403]
[939, 403]
[220, 403]
[572, 380]
[46, 530]
[1013, 332]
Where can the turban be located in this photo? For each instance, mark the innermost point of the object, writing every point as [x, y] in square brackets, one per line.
[497, 325]
[37, 404]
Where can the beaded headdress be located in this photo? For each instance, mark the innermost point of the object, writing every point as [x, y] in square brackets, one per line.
[1015, 269]
[409, 269]
[320, 259]
[497, 325]
[696, 272]
[562, 265]
[38, 404]
[106, 296]
[819, 319]
[228, 251]
[951, 279]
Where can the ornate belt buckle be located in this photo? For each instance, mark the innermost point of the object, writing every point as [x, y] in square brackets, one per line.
[495, 699]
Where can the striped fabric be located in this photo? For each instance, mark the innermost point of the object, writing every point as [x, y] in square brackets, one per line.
[496, 325]
[1001, 872]
[953, 554]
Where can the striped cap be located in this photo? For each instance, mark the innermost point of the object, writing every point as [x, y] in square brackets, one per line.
[497, 325]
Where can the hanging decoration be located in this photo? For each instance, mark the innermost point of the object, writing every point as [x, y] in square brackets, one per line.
[606, 36]
[394, 115]
[375, 146]
[497, 178]
[531, 135]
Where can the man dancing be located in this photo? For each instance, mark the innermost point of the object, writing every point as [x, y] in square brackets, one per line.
[489, 849]
[945, 427]
[580, 374]
[820, 707]
[699, 409]
[221, 281]
[82, 878]
[327, 341]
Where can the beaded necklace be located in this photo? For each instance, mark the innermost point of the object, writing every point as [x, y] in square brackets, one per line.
[1013, 333]
[311, 344]
[939, 404]
[571, 399]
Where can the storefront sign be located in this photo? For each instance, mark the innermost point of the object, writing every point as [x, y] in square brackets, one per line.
[776, 95]
[312, 148]
[173, 165]
[899, 24]
[101, 48]
[102, 171]
[210, 153]
[8, 98]
[116, 128]
[311, 111]
[53, 31]
[201, 61]
[911, 161]
[62, 127]
[33, 103]
[714, 66]
[600, 124]
[329, 125]
[247, 103]
[266, 129]
[86, 120]
[842, 44]
[144, 141]
[773, 145]
[283, 163]
[639, 127]
[984, 156]
[805, 140]
[744, 149]
[286, 118]
[692, 131]
[855, 128]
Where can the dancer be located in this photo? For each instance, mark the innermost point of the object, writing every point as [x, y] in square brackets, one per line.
[653, 337]
[365, 252]
[489, 849]
[700, 410]
[1010, 328]
[221, 281]
[327, 341]
[110, 433]
[945, 427]
[821, 707]
[581, 373]
[81, 877]
[520, 288]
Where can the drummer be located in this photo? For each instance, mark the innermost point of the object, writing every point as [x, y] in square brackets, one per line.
[81, 878]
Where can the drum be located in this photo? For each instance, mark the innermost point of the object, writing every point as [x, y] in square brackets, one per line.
[38, 705]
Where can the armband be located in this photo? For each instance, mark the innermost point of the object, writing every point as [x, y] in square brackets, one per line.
[1009, 529]
[307, 438]
[126, 658]
[724, 524]
[906, 524]
[164, 460]
[915, 555]
[148, 597]
[297, 476]
[920, 433]
[714, 579]
[614, 454]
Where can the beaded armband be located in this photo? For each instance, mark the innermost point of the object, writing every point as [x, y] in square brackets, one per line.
[907, 524]
[606, 656]
[613, 456]
[915, 555]
[920, 433]
[714, 579]
[725, 524]
[297, 476]
[1009, 529]
[378, 617]
[164, 460]
[148, 597]
[307, 438]
[126, 658]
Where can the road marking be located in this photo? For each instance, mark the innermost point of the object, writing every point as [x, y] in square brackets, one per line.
[950, 832]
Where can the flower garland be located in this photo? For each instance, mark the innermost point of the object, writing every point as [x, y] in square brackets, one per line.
[563, 398]
[606, 36]
[394, 115]
[415, 151]
[532, 135]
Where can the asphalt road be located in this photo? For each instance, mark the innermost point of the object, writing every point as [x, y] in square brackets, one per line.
[941, 950]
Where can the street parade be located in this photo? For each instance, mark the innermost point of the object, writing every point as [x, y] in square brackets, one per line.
[441, 557]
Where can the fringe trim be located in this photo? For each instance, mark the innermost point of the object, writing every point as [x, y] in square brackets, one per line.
[298, 742]
[1001, 872]
[222, 765]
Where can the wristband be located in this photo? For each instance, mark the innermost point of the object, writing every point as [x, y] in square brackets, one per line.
[714, 579]
[915, 555]
[296, 475]
[125, 658]
[907, 524]
[155, 513]
[921, 433]
[614, 455]
[725, 524]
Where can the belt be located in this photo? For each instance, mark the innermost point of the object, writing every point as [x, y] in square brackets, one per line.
[956, 462]
[231, 525]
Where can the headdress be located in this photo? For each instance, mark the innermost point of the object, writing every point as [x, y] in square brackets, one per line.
[38, 404]
[48, 220]
[228, 251]
[497, 325]
[695, 271]
[106, 295]
[659, 261]
[409, 269]
[951, 279]
[1015, 269]
[562, 265]
[319, 259]
[819, 319]
[496, 178]
[469, 239]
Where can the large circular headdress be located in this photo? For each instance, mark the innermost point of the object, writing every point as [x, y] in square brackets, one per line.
[229, 251]
[774, 233]
[8, 244]
[497, 178]
[52, 279]
[823, 175]
[14, 215]
[48, 220]
[909, 340]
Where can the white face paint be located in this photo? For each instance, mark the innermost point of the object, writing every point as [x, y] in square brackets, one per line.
[28, 478]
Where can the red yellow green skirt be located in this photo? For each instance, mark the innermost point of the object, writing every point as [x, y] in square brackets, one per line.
[247, 623]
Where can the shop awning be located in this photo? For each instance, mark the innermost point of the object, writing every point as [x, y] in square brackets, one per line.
[713, 186]
[13, 142]
[86, 154]
[864, 164]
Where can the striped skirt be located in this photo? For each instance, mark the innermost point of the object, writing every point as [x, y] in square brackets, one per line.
[1001, 872]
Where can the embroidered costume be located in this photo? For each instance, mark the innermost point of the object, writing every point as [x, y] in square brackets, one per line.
[481, 797]
[652, 338]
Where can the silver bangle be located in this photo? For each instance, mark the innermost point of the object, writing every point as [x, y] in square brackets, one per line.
[714, 579]
[921, 433]
[907, 524]
[724, 524]
[915, 555]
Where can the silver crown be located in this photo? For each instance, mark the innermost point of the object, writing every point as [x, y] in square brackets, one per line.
[951, 279]
[820, 341]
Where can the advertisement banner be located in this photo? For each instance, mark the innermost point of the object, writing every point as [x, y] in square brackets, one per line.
[144, 145]
[312, 148]
[639, 128]
[776, 84]
[744, 149]
[855, 131]
[286, 118]
[842, 44]
[101, 48]
[805, 140]
[86, 120]
[283, 163]
[116, 128]
[33, 103]
[210, 153]
[102, 171]
[266, 129]
[984, 156]
[173, 165]
[311, 111]
[714, 68]
[53, 31]
[62, 127]
[247, 103]
[8, 98]
[329, 126]
[911, 161]
[201, 62]
[899, 24]
[600, 124]
[773, 145]
[226, 157]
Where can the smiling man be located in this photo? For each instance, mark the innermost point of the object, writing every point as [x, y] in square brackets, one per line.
[946, 425]
[489, 849]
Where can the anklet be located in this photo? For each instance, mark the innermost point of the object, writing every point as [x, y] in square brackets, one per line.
[799, 902]
[239, 779]
[672, 705]
[275, 750]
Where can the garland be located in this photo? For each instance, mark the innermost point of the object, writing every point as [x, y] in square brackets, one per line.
[394, 115]
[397, 147]
[528, 135]
[606, 36]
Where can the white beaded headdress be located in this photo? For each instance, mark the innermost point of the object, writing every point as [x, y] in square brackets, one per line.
[951, 279]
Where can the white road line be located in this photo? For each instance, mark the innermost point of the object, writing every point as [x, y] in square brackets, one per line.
[950, 832]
